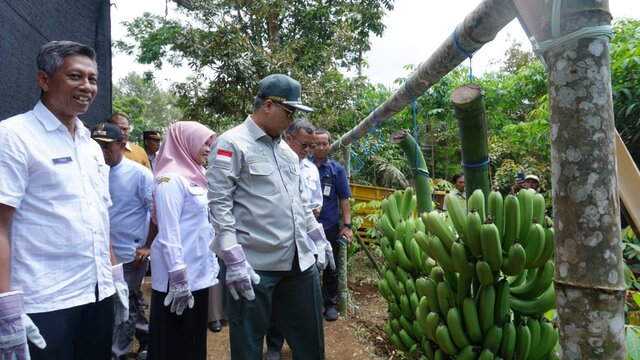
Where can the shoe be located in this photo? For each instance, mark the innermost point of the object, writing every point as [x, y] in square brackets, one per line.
[215, 326]
[142, 352]
[272, 355]
[331, 314]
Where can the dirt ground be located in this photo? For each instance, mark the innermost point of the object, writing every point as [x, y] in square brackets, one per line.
[359, 335]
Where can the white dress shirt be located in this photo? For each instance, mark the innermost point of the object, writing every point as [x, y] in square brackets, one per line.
[59, 188]
[184, 234]
[311, 182]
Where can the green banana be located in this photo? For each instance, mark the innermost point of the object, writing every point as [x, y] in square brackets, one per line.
[403, 275]
[534, 245]
[420, 225]
[437, 226]
[432, 321]
[395, 325]
[523, 342]
[443, 337]
[390, 255]
[539, 207]
[486, 307]
[392, 207]
[534, 329]
[471, 321]
[437, 274]
[402, 258]
[385, 290]
[491, 245]
[537, 285]
[518, 279]
[476, 201]
[392, 281]
[429, 264]
[421, 315]
[484, 273]
[440, 355]
[407, 200]
[397, 196]
[406, 339]
[384, 205]
[421, 287]
[548, 339]
[421, 238]
[502, 310]
[474, 226]
[511, 221]
[460, 260]
[514, 262]
[414, 254]
[464, 288]
[417, 330]
[469, 352]
[549, 247]
[456, 213]
[445, 298]
[456, 329]
[495, 210]
[400, 232]
[414, 301]
[452, 279]
[508, 343]
[492, 338]
[432, 297]
[384, 224]
[407, 325]
[413, 351]
[525, 199]
[486, 354]
[439, 253]
[537, 306]
[428, 350]
[405, 307]
[395, 340]
[394, 309]
[409, 230]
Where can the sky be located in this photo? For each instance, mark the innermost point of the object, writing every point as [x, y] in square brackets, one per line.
[414, 30]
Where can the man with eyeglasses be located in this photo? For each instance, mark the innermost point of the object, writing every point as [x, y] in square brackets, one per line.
[262, 218]
[299, 137]
[131, 150]
[336, 194]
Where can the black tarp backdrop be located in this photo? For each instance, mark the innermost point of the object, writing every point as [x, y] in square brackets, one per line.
[25, 25]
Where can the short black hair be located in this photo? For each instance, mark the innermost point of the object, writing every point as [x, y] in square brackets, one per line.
[52, 53]
[456, 177]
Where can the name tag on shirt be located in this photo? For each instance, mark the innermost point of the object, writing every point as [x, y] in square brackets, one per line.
[62, 160]
[327, 190]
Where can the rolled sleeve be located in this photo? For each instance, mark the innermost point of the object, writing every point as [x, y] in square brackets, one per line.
[222, 175]
[13, 167]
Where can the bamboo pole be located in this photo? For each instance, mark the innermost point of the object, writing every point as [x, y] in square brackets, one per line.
[589, 281]
[477, 29]
[469, 110]
[364, 247]
[418, 167]
[343, 276]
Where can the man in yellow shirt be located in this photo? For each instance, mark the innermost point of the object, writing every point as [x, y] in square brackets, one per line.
[131, 150]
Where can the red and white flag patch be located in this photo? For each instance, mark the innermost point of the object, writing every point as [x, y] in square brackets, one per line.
[224, 155]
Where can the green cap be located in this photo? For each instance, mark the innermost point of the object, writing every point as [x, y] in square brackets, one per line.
[282, 88]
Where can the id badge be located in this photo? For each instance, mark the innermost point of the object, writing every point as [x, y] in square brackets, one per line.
[327, 190]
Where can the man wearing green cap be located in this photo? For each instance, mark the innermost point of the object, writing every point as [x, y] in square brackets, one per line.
[262, 220]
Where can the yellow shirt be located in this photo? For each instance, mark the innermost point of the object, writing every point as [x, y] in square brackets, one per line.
[137, 154]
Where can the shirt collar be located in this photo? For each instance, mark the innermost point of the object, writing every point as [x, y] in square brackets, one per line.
[50, 122]
[127, 146]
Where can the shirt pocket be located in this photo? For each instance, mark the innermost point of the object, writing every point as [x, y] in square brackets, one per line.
[261, 180]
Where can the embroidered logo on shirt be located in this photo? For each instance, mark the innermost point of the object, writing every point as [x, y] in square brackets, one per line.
[62, 160]
[164, 179]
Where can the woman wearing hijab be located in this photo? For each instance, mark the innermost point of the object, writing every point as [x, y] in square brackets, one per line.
[183, 267]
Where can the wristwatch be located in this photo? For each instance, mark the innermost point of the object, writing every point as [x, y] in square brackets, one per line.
[348, 226]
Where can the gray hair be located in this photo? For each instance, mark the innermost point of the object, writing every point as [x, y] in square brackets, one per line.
[257, 103]
[321, 131]
[301, 124]
[52, 53]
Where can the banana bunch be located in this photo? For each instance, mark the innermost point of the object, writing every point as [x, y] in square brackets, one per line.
[465, 285]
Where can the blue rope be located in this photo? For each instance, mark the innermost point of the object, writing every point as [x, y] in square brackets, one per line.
[471, 166]
[465, 52]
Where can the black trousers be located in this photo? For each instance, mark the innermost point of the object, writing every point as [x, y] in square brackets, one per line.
[80, 332]
[329, 276]
[174, 336]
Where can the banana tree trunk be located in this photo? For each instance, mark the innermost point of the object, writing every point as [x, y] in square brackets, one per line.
[477, 29]
[469, 110]
[418, 168]
[589, 281]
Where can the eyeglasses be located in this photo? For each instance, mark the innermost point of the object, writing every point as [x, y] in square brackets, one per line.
[290, 112]
[304, 145]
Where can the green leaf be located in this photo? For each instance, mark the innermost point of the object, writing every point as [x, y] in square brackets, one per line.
[633, 344]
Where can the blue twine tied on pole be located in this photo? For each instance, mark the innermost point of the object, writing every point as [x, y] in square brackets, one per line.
[465, 52]
[471, 166]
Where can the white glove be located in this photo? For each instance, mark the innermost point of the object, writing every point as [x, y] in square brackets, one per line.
[240, 274]
[16, 327]
[121, 298]
[179, 295]
[325, 251]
